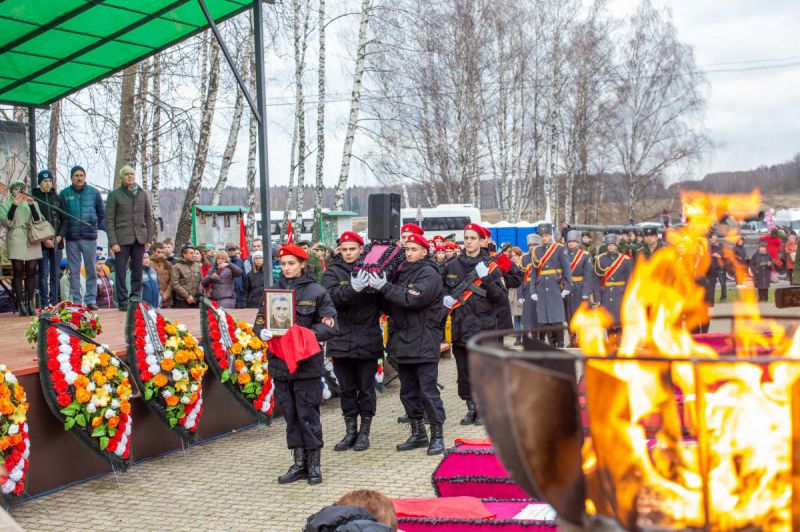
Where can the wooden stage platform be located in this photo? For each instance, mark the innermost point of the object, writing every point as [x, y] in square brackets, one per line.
[57, 458]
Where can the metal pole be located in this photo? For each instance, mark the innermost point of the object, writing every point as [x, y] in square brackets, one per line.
[263, 164]
[32, 143]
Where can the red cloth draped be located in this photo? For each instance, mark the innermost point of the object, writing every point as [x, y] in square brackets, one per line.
[297, 344]
[446, 507]
[243, 239]
[474, 441]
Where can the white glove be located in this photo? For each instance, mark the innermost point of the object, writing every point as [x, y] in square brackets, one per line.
[359, 281]
[377, 282]
[564, 293]
[482, 270]
[534, 297]
[585, 298]
[521, 301]
[265, 335]
[449, 301]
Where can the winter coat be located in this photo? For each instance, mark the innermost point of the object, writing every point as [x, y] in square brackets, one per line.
[17, 236]
[222, 289]
[129, 218]
[477, 314]
[581, 281]
[163, 268]
[549, 279]
[253, 288]
[514, 295]
[344, 518]
[511, 279]
[48, 204]
[529, 320]
[414, 304]
[186, 279]
[761, 265]
[610, 295]
[84, 205]
[151, 290]
[105, 292]
[359, 313]
[741, 254]
[312, 305]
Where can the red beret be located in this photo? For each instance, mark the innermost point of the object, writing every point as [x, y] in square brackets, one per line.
[351, 236]
[439, 248]
[291, 249]
[412, 228]
[438, 238]
[418, 239]
[452, 245]
[482, 232]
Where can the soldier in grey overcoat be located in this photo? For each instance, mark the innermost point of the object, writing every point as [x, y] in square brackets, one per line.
[580, 262]
[611, 273]
[552, 282]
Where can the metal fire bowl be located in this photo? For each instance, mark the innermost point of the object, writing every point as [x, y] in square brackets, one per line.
[529, 403]
[528, 400]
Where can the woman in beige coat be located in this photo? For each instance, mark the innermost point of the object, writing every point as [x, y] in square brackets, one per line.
[16, 213]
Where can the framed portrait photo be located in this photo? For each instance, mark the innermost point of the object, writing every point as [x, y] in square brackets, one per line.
[279, 308]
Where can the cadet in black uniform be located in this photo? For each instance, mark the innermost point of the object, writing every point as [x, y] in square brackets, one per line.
[479, 312]
[358, 346]
[413, 303]
[300, 393]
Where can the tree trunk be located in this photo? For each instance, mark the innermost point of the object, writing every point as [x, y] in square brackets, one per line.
[251, 155]
[320, 169]
[184, 233]
[142, 119]
[230, 148]
[355, 101]
[52, 143]
[155, 149]
[300, 44]
[127, 121]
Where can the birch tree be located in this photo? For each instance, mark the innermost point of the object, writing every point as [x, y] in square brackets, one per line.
[127, 121]
[355, 102]
[155, 147]
[52, 141]
[230, 148]
[300, 46]
[319, 186]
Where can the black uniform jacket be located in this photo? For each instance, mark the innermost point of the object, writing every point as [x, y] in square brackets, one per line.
[312, 305]
[358, 315]
[414, 304]
[478, 313]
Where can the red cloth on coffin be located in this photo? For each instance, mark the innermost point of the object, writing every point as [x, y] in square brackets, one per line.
[299, 343]
[444, 508]
[474, 441]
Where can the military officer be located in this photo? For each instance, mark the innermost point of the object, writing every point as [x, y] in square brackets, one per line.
[586, 242]
[651, 243]
[612, 270]
[359, 345]
[528, 304]
[552, 282]
[414, 304]
[478, 311]
[299, 392]
[580, 265]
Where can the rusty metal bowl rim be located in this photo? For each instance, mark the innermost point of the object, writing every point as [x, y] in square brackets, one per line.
[478, 343]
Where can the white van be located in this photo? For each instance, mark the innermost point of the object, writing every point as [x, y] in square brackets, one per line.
[788, 218]
[444, 220]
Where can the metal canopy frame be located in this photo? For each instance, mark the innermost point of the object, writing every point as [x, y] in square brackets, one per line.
[257, 106]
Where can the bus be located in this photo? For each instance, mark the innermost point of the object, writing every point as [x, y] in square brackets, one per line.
[445, 220]
[276, 221]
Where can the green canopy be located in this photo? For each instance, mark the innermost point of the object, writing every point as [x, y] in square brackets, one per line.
[51, 48]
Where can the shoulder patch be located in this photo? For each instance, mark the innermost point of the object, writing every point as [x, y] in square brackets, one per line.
[307, 303]
[452, 276]
[344, 282]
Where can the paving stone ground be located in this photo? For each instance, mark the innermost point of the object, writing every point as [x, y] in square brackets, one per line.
[230, 483]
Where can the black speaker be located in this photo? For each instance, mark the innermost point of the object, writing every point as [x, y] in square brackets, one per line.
[383, 217]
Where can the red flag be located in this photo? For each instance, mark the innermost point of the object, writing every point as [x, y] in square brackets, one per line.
[289, 234]
[299, 343]
[243, 239]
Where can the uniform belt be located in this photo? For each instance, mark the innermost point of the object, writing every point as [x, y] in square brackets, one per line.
[616, 283]
[579, 278]
[550, 272]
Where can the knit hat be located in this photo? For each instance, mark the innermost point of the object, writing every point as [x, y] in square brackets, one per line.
[44, 174]
[76, 168]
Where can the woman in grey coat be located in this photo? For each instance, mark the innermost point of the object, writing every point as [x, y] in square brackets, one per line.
[16, 213]
[220, 279]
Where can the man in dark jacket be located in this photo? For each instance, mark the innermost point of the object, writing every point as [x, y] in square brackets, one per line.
[50, 207]
[478, 312]
[414, 304]
[84, 205]
[130, 233]
[344, 518]
[299, 393]
[360, 342]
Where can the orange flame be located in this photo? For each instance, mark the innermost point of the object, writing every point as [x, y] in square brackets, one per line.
[731, 464]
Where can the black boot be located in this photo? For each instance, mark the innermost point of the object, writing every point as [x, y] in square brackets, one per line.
[418, 438]
[349, 436]
[469, 418]
[362, 442]
[298, 470]
[437, 439]
[403, 419]
[314, 470]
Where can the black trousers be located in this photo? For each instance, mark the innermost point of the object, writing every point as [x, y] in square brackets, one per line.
[763, 294]
[24, 279]
[134, 252]
[356, 385]
[418, 391]
[462, 372]
[181, 303]
[299, 401]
